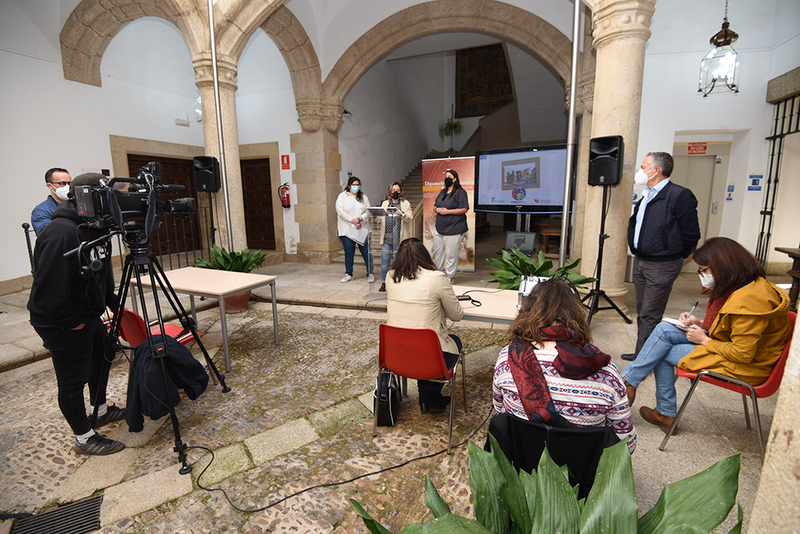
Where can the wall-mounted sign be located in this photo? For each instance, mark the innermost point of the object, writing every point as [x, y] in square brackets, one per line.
[697, 149]
[755, 182]
[729, 196]
[285, 162]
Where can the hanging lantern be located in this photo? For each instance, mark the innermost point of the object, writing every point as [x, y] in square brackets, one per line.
[721, 66]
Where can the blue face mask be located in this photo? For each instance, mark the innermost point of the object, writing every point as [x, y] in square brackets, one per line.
[355, 189]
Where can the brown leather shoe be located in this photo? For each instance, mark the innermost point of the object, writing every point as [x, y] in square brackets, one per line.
[631, 393]
[652, 416]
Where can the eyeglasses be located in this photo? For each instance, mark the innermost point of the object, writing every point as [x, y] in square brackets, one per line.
[60, 184]
[702, 270]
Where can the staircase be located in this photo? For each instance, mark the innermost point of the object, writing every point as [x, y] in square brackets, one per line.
[412, 183]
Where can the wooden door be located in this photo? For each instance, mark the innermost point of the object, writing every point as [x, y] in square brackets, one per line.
[172, 234]
[258, 213]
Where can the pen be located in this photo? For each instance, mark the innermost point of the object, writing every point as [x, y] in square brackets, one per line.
[693, 307]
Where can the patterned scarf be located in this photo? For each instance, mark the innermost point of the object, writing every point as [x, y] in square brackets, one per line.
[714, 307]
[575, 360]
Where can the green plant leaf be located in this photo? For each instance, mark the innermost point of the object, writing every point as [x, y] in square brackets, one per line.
[414, 528]
[371, 524]
[737, 528]
[556, 509]
[695, 504]
[517, 504]
[454, 524]
[508, 470]
[611, 505]
[529, 483]
[243, 262]
[434, 501]
[488, 484]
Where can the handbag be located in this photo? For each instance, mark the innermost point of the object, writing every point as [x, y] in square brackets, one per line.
[386, 399]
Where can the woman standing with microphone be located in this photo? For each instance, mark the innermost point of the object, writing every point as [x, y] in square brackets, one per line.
[351, 211]
[450, 206]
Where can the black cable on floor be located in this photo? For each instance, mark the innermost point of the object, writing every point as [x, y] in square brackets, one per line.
[330, 484]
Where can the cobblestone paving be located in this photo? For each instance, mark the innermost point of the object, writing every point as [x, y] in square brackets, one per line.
[322, 361]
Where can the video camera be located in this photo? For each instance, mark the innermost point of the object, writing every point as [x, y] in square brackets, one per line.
[136, 211]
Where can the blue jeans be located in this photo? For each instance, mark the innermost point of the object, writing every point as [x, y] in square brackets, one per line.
[350, 253]
[387, 251]
[660, 354]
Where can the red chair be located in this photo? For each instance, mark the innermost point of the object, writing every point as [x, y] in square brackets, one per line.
[416, 353]
[768, 388]
[134, 331]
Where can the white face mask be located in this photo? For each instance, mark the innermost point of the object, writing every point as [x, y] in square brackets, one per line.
[62, 192]
[707, 280]
[640, 178]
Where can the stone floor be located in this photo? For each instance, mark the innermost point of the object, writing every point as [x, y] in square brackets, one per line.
[299, 416]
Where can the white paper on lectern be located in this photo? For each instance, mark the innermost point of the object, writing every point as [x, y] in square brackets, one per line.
[359, 235]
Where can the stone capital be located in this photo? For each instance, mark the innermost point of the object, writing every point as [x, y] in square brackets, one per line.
[314, 115]
[226, 71]
[619, 19]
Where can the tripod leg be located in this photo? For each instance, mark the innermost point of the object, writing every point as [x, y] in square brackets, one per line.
[186, 321]
[627, 319]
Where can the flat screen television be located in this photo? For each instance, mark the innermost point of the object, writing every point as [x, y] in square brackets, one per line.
[521, 180]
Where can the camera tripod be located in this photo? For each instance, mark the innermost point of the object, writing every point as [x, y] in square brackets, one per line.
[596, 293]
[140, 261]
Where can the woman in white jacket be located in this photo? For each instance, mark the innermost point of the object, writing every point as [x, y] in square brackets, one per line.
[396, 227]
[351, 211]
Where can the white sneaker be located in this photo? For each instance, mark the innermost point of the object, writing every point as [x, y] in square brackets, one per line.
[371, 278]
[346, 278]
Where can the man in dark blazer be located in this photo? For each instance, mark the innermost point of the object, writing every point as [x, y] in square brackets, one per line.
[662, 234]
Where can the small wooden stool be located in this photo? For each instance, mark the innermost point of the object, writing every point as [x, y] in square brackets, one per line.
[548, 230]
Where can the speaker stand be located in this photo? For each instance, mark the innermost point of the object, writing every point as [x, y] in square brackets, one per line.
[596, 294]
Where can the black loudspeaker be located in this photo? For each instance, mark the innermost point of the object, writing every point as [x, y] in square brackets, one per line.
[605, 160]
[206, 173]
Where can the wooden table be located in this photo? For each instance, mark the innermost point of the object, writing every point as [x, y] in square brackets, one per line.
[497, 305]
[215, 284]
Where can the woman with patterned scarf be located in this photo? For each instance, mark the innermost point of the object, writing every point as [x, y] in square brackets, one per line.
[551, 373]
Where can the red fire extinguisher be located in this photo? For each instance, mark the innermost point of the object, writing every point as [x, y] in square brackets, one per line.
[286, 201]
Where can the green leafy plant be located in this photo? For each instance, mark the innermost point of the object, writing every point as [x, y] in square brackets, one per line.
[543, 501]
[511, 267]
[240, 262]
[451, 127]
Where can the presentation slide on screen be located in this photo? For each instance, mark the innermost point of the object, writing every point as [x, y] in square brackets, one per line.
[524, 178]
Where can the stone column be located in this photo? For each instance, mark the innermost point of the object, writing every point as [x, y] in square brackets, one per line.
[230, 132]
[316, 177]
[620, 29]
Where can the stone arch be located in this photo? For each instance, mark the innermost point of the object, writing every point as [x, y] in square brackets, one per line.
[485, 16]
[91, 26]
[292, 40]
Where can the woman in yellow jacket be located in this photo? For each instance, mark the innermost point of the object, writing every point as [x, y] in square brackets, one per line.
[742, 335]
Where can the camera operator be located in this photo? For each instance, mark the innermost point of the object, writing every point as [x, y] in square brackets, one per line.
[67, 299]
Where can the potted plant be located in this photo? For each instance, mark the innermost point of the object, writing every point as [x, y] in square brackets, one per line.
[512, 266]
[543, 501]
[451, 127]
[240, 262]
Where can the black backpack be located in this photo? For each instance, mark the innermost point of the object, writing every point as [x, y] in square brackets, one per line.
[386, 399]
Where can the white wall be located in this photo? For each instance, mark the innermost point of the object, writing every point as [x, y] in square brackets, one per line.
[673, 110]
[265, 111]
[51, 122]
[396, 110]
[540, 98]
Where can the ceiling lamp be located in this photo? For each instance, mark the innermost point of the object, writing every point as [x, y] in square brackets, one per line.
[720, 68]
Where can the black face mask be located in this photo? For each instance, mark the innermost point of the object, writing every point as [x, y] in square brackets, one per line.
[395, 195]
[448, 182]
